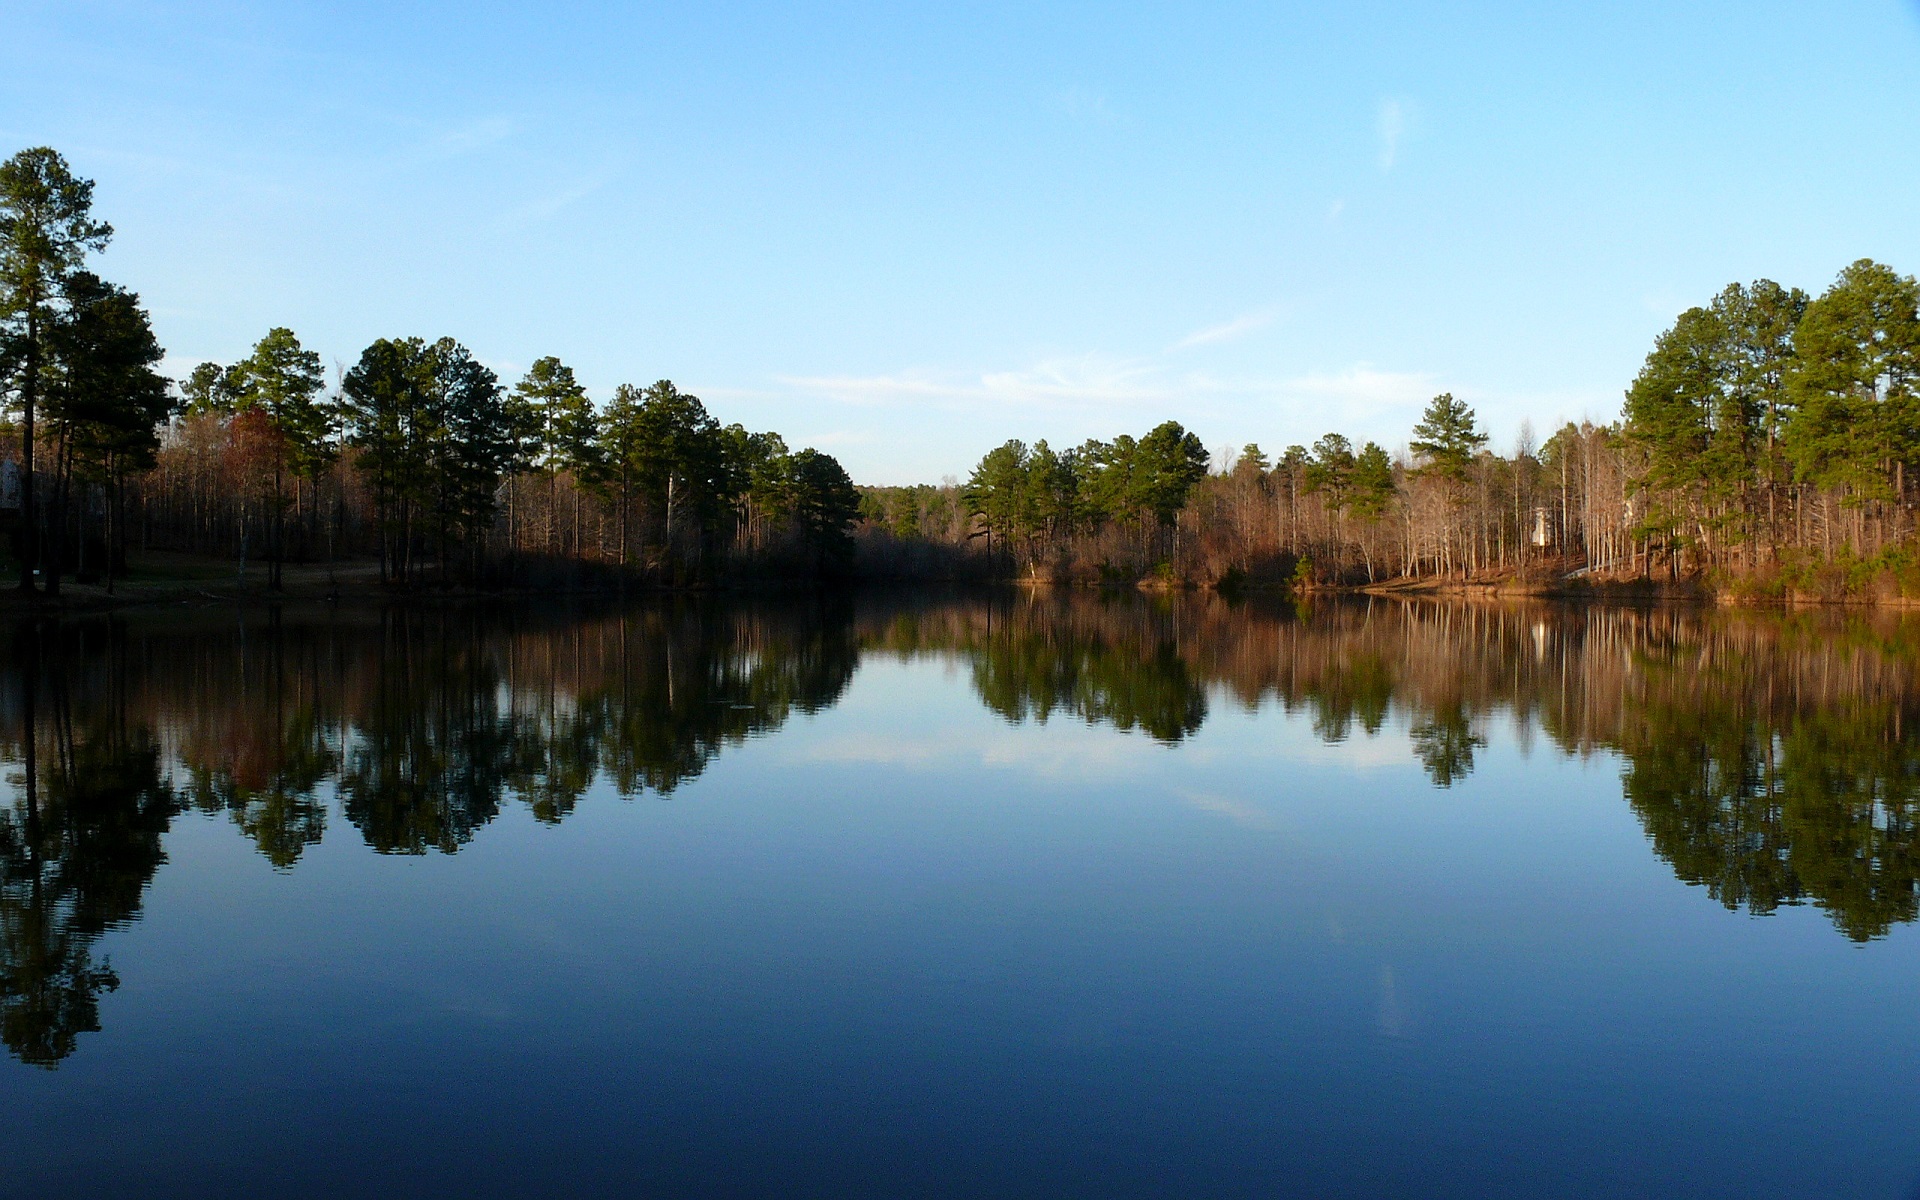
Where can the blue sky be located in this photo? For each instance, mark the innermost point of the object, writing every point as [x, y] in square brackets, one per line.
[906, 233]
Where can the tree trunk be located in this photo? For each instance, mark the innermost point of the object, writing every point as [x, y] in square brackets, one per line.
[29, 396]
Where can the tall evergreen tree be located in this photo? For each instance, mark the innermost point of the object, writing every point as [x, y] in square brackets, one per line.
[1106, 471]
[208, 388]
[621, 453]
[105, 404]
[825, 506]
[1330, 472]
[471, 445]
[1167, 464]
[1854, 379]
[682, 468]
[47, 228]
[559, 427]
[282, 382]
[386, 395]
[1447, 437]
[996, 492]
[757, 463]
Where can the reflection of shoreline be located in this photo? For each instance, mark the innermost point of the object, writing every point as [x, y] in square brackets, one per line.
[425, 722]
[78, 845]
[1772, 761]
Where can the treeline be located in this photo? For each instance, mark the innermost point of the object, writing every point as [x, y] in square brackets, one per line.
[1024, 503]
[1157, 508]
[418, 455]
[1764, 446]
[422, 458]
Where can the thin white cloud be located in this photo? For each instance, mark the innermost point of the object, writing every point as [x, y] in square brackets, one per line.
[843, 438]
[1362, 390]
[1082, 104]
[1086, 379]
[470, 136]
[1240, 812]
[552, 203]
[711, 392]
[545, 207]
[1076, 751]
[1070, 398]
[1390, 122]
[1213, 335]
[1664, 304]
[1365, 752]
[1061, 382]
[1334, 210]
[876, 389]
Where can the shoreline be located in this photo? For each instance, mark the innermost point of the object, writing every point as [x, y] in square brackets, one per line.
[164, 579]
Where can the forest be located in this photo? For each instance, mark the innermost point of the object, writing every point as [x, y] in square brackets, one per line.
[417, 456]
[1761, 451]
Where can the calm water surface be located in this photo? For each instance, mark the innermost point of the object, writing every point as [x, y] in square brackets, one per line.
[1012, 896]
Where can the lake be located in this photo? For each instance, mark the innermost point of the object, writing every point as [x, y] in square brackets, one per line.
[1009, 894]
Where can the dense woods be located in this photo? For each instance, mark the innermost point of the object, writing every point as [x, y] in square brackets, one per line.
[416, 456]
[423, 459]
[1763, 448]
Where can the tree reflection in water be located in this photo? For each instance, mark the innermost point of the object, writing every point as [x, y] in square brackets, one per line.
[1771, 760]
[78, 845]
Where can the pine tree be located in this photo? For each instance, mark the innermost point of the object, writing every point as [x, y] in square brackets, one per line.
[47, 229]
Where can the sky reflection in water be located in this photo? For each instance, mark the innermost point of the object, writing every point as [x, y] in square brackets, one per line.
[1008, 895]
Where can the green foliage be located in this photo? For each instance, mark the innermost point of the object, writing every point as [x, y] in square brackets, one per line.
[1167, 465]
[1760, 321]
[1447, 438]
[1762, 809]
[1672, 405]
[621, 446]
[1444, 742]
[1710, 404]
[681, 462]
[283, 381]
[1108, 491]
[1762, 388]
[47, 228]
[470, 448]
[1038, 493]
[1252, 461]
[1028, 676]
[208, 388]
[431, 425]
[385, 397]
[825, 505]
[1330, 471]
[999, 493]
[1853, 378]
[551, 423]
[106, 401]
[1371, 484]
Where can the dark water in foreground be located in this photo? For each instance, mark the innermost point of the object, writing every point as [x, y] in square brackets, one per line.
[1009, 896]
